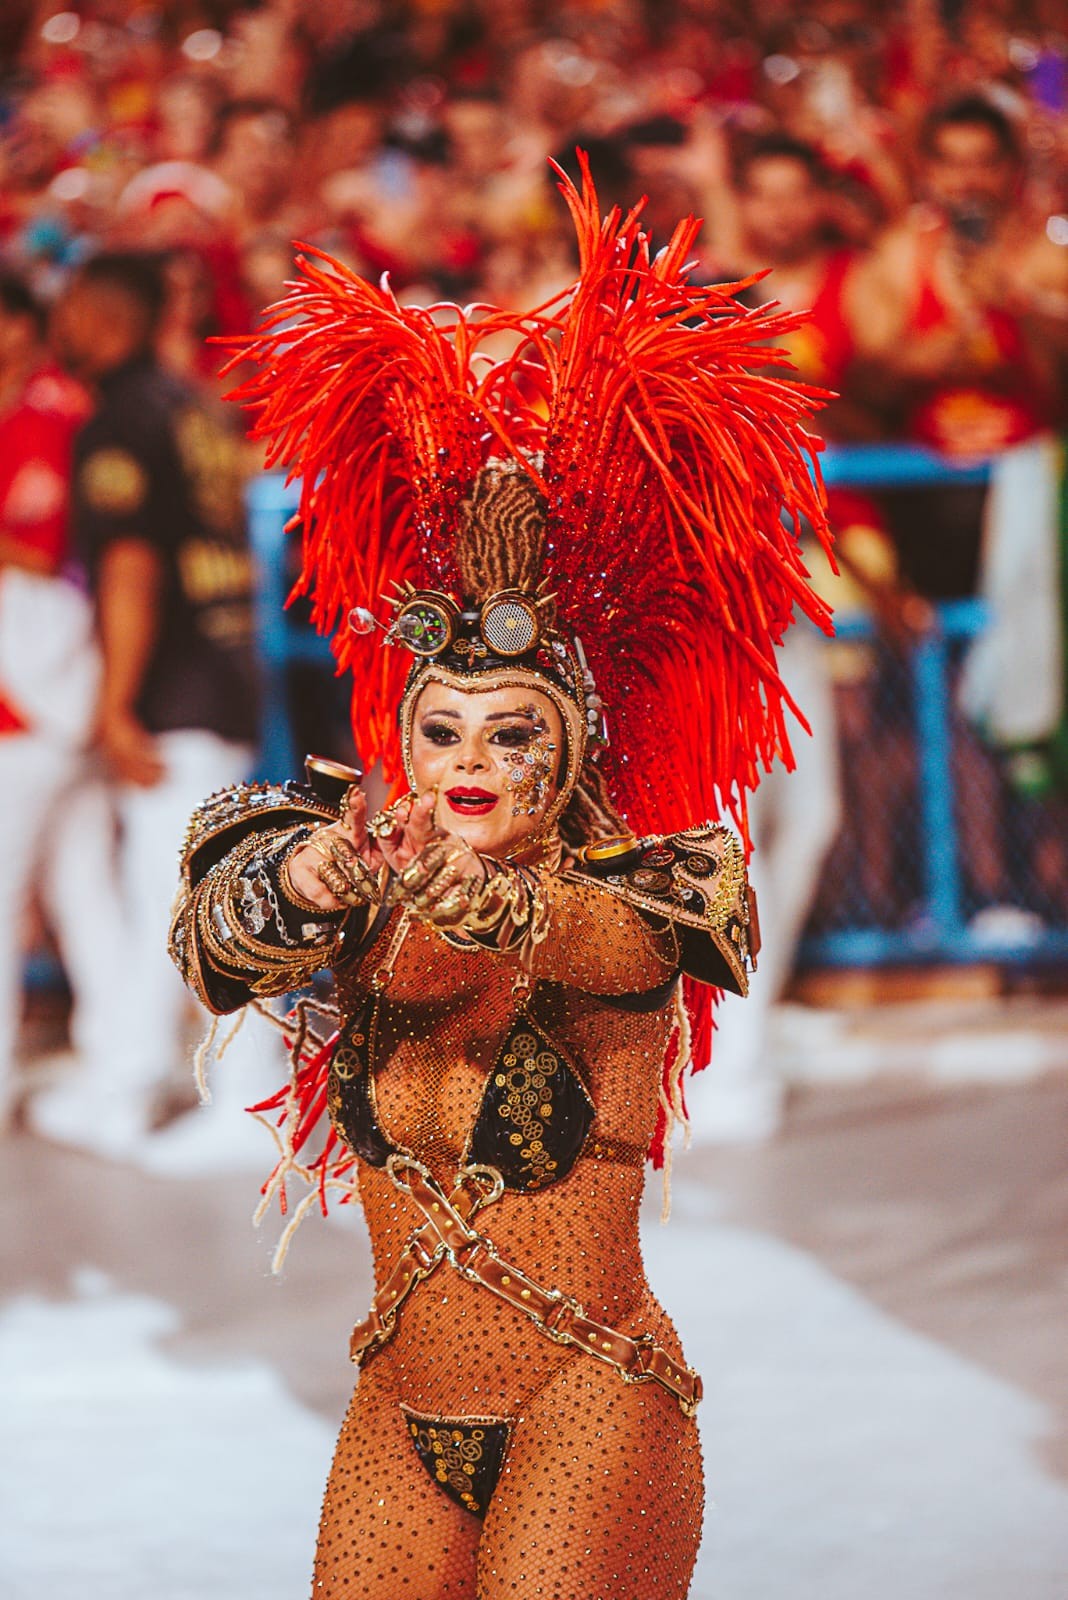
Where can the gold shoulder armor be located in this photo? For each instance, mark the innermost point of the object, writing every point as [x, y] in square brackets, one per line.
[229, 815]
[697, 880]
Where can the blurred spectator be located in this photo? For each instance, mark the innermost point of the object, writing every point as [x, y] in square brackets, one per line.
[254, 158]
[794, 817]
[957, 293]
[58, 837]
[158, 509]
[187, 109]
[963, 300]
[777, 214]
[957, 321]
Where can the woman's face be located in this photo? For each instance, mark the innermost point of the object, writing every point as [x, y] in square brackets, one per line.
[494, 757]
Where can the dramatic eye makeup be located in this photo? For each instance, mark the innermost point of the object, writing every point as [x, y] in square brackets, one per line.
[435, 730]
[508, 730]
[518, 742]
[517, 732]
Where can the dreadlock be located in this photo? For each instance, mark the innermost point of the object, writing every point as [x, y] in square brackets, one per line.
[502, 539]
[500, 546]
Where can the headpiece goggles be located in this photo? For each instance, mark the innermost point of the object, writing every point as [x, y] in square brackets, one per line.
[508, 624]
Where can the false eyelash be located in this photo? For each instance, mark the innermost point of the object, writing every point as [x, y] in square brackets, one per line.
[439, 733]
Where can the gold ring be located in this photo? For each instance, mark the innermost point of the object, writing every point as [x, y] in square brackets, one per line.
[334, 879]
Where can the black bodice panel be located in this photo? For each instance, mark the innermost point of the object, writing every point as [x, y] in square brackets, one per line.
[532, 1122]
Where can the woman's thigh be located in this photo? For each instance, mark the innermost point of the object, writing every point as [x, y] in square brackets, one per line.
[387, 1532]
[601, 1495]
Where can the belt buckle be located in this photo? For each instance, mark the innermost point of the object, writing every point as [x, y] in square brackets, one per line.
[462, 1255]
[566, 1310]
[689, 1407]
[479, 1173]
[363, 1340]
[636, 1371]
[399, 1162]
[423, 1256]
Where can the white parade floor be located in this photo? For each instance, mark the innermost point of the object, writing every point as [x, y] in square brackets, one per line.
[876, 1302]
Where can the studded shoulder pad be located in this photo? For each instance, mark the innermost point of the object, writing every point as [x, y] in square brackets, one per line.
[232, 814]
[696, 880]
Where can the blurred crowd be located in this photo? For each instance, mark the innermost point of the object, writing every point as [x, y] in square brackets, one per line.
[902, 169]
[414, 138]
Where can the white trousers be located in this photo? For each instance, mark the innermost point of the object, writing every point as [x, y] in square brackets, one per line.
[59, 837]
[794, 817]
[152, 828]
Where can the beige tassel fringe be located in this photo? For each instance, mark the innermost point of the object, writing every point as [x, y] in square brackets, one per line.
[671, 1098]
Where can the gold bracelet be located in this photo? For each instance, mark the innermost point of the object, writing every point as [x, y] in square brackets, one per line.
[289, 889]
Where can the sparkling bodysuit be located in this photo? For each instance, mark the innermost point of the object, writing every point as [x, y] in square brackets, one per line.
[480, 1458]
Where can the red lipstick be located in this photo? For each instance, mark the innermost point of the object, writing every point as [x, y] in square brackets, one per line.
[471, 802]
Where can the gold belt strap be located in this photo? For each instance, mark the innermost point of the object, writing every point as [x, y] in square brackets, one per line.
[422, 1253]
[447, 1234]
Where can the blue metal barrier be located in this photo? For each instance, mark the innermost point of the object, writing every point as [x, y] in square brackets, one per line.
[896, 466]
[942, 927]
[942, 923]
[282, 642]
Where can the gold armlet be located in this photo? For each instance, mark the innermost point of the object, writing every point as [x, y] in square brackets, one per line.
[227, 940]
[187, 949]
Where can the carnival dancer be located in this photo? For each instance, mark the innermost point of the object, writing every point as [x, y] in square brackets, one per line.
[593, 535]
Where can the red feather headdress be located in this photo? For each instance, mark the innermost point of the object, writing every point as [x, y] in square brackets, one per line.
[677, 480]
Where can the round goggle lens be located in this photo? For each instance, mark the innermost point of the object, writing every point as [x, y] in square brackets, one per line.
[426, 628]
[509, 627]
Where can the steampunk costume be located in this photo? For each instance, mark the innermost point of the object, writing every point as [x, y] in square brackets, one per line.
[509, 1051]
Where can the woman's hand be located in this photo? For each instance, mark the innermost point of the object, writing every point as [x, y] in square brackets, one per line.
[438, 873]
[413, 829]
[338, 867]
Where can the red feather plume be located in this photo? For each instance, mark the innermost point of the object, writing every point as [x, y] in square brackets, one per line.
[385, 413]
[677, 481]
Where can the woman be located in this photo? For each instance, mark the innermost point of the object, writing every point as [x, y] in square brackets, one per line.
[507, 955]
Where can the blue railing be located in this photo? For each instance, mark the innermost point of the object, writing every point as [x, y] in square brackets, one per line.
[941, 927]
[282, 641]
[896, 466]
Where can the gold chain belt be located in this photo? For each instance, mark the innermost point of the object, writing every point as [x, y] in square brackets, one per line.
[447, 1235]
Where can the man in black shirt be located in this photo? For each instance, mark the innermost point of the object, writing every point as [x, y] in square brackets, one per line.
[158, 513]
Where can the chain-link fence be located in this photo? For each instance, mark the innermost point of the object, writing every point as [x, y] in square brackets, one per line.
[946, 849]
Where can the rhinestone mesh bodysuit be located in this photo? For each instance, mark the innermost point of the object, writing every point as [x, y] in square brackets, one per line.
[598, 1495]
